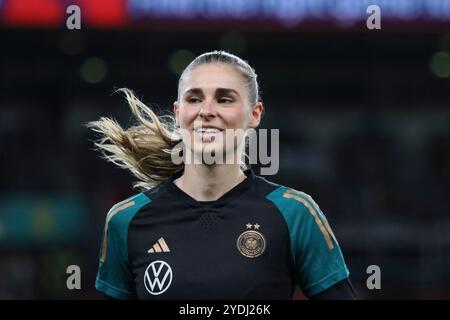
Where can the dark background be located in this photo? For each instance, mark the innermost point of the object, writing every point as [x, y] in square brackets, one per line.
[364, 123]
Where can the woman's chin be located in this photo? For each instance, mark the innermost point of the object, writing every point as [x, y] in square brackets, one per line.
[208, 154]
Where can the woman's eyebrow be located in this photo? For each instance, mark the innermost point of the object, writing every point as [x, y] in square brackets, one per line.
[197, 91]
[226, 91]
[219, 91]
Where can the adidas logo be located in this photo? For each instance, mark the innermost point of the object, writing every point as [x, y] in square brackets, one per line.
[160, 246]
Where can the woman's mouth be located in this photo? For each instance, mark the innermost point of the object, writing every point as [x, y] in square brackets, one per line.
[208, 134]
[207, 130]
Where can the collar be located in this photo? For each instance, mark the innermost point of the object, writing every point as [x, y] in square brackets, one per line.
[230, 195]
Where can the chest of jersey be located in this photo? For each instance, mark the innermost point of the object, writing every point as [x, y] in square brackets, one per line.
[240, 250]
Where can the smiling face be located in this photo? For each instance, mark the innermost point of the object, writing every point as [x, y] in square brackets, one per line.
[214, 108]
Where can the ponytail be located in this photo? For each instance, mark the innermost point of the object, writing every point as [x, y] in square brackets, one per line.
[146, 148]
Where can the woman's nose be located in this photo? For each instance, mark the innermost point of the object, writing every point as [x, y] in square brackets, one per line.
[208, 109]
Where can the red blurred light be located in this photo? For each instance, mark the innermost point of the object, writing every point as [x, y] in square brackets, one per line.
[103, 13]
[45, 13]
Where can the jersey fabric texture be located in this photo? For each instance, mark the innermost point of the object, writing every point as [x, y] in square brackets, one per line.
[258, 241]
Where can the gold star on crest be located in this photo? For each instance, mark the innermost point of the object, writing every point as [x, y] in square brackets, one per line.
[249, 225]
[257, 226]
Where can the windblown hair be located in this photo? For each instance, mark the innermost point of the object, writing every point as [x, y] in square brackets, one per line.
[146, 149]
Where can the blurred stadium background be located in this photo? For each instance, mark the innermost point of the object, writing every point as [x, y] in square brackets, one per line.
[364, 119]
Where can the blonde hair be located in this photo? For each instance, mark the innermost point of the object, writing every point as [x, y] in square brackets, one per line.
[146, 149]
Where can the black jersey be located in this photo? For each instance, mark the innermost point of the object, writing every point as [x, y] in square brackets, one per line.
[257, 241]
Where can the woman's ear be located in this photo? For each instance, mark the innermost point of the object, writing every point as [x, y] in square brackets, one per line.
[175, 110]
[255, 115]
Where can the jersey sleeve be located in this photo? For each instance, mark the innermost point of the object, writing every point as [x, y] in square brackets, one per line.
[114, 277]
[316, 255]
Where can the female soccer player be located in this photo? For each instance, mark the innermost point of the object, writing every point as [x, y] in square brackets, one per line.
[210, 230]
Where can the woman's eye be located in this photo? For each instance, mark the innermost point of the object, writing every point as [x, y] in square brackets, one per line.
[225, 100]
[193, 100]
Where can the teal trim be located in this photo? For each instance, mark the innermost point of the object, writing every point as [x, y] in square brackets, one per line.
[326, 282]
[317, 267]
[121, 220]
[313, 205]
[290, 215]
[114, 275]
[111, 291]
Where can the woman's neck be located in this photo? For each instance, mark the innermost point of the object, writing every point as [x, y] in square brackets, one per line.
[209, 183]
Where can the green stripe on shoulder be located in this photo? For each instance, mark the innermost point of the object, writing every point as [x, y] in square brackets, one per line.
[114, 276]
[124, 211]
[290, 211]
[318, 260]
[118, 221]
[300, 211]
[131, 204]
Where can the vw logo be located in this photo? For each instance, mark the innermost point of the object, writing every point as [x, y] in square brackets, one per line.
[157, 277]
